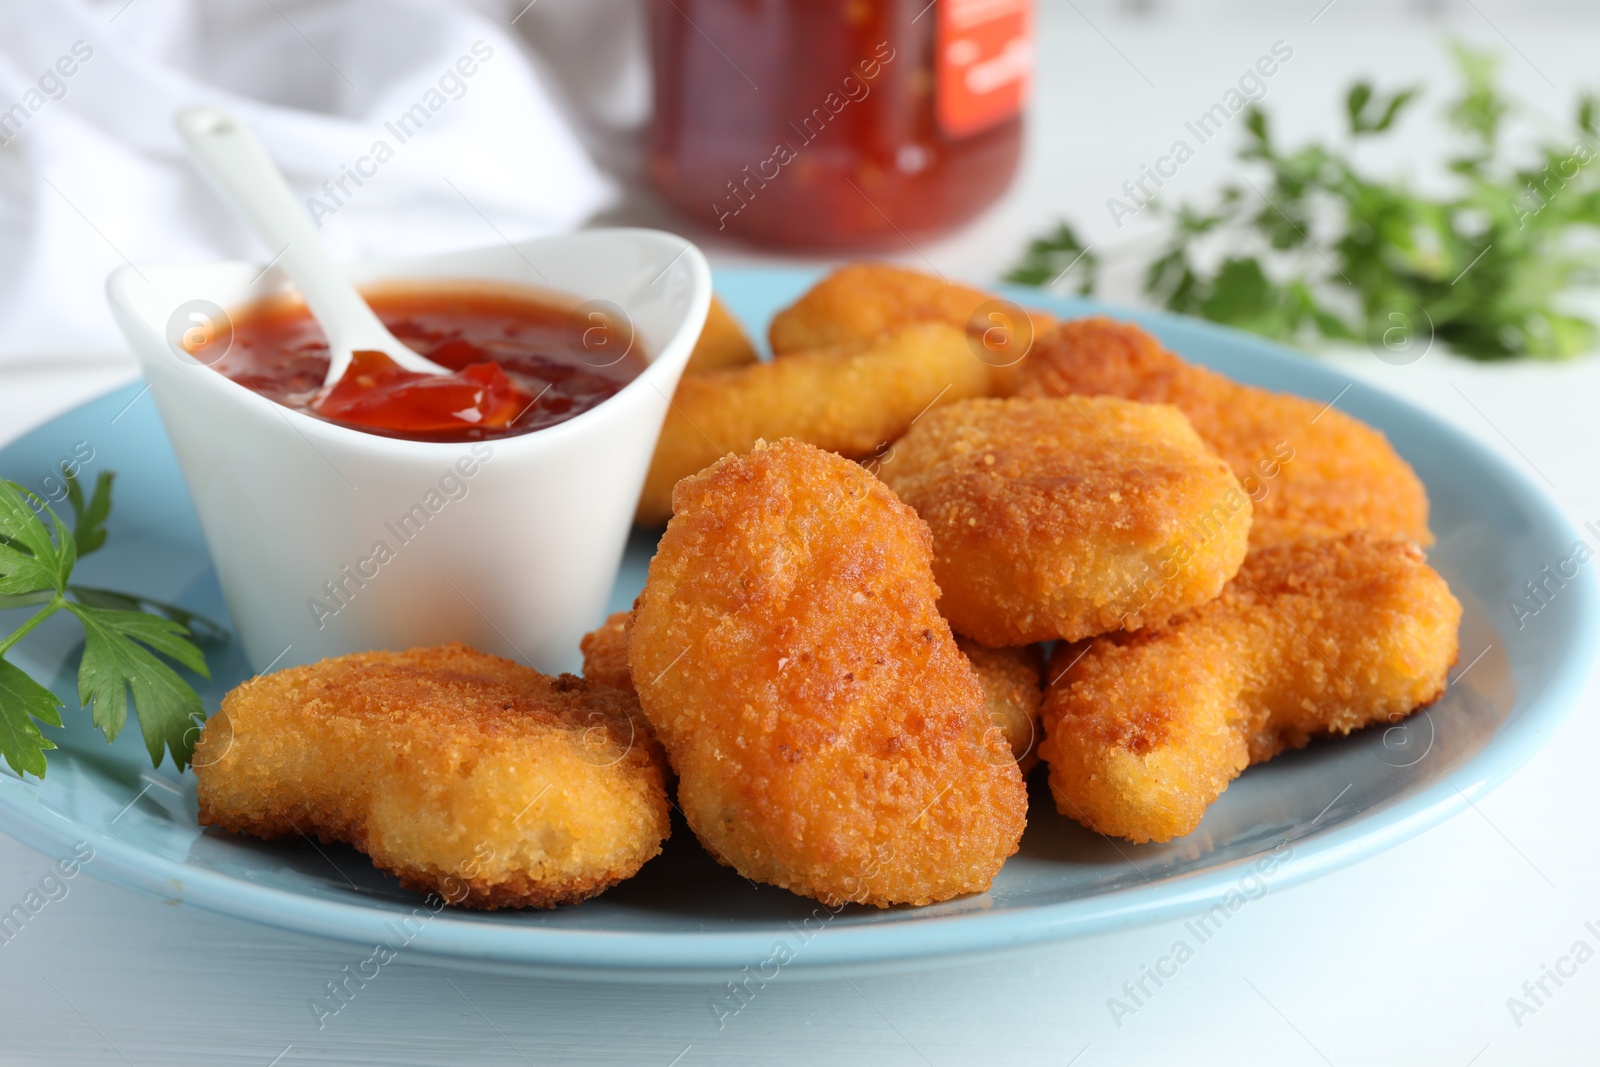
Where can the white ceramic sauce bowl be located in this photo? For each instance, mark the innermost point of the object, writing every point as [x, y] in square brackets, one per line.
[329, 540]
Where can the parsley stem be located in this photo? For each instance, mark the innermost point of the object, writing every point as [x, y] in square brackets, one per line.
[57, 602]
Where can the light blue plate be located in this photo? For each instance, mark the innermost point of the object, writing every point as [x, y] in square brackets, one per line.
[686, 917]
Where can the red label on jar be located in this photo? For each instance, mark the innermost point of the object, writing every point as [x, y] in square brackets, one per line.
[984, 60]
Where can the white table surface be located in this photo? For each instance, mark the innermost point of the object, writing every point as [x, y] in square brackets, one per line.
[1407, 958]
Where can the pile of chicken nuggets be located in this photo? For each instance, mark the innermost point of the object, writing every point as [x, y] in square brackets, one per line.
[902, 564]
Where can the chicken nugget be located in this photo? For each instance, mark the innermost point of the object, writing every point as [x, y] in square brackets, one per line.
[1312, 470]
[722, 343]
[828, 735]
[1011, 679]
[859, 301]
[1013, 682]
[1064, 518]
[605, 652]
[461, 773]
[847, 401]
[1318, 637]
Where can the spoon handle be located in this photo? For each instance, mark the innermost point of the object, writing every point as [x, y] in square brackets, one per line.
[231, 158]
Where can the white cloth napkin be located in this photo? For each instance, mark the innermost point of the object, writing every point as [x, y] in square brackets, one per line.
[457, 139]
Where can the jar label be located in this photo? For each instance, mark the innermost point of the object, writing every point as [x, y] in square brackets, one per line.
[984, 62]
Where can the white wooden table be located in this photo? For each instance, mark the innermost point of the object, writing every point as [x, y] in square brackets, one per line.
[1407, 958]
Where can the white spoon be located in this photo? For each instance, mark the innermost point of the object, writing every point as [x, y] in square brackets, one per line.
[242, 173]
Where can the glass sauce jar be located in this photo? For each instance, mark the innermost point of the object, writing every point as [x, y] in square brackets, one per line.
[837, 124]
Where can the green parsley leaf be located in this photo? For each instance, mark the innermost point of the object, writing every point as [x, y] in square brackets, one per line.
[1368, 112]
[30, 560]
[89, 521]
[125, 635]
[21, 701]
[116, 662]
[1053, 255]
[200, 628]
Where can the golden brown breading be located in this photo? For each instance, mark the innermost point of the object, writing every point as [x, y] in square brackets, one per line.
[1013, 682]
[859, 301]
[461, 773]
[605, 652]
[848, 401]
[1143, 731]
[722, 343]
[1064, 518]
[828, 735]
[1312, 470]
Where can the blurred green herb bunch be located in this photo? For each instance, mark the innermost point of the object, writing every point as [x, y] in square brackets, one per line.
[1306, 245]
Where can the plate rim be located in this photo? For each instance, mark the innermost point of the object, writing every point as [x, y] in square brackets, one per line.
[644, 955]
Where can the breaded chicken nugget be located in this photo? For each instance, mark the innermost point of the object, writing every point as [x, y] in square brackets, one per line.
[847, 401]
[859, 301]
[605, 652]
[1143, 731]
[1064, 518]
[1312, 470]
[1014, 685]
[1011, 679]
[461, 773]
[828, 735]
[722, 343]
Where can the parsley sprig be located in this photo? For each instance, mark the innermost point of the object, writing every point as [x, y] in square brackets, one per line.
[1309, 245]
[125, 636]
